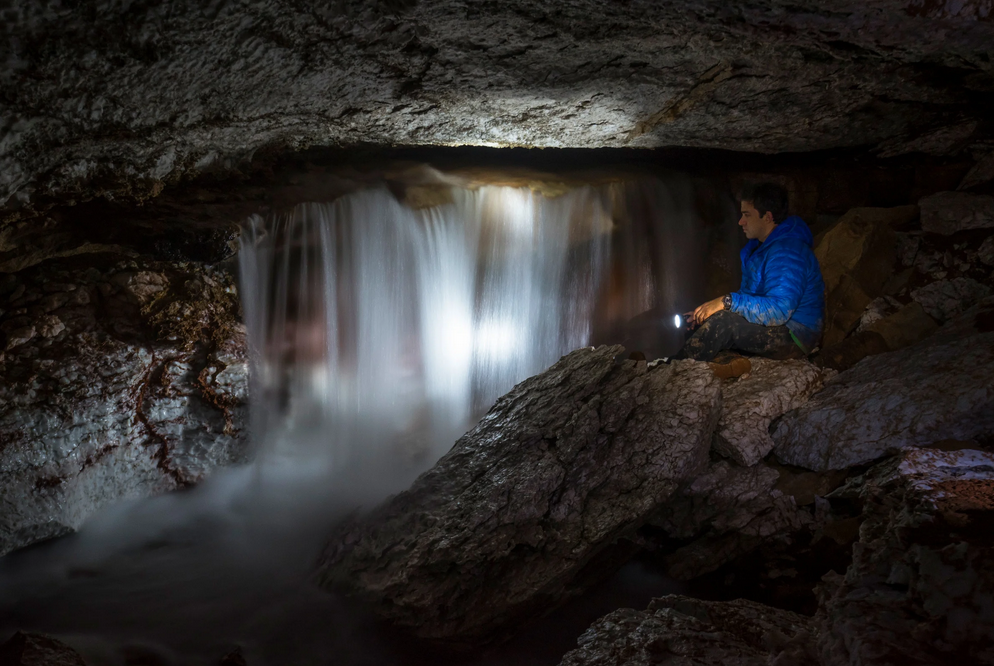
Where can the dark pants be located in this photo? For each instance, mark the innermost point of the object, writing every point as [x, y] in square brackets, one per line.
[727, 330]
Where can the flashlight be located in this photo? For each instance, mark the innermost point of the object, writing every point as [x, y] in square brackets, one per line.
[677, 321]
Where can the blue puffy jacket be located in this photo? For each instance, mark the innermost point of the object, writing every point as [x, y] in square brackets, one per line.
[782, 283]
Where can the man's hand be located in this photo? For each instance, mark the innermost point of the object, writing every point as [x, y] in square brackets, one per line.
[697, 317]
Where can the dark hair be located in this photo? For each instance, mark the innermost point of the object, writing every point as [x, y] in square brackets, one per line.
[767, 197]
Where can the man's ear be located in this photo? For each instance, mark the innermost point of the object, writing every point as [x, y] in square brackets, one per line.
[768, 217]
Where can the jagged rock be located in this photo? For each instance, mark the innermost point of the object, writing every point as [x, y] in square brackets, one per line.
[751, 403]
[856, 257]
[877, 309]
[944, 299]
[680, 631]
[140, 388]
[725, 512]
[982, 172]
[907, 248]
[919, 589]
[937, 389]
[28, 649]
[910, 324]
[563, 465]
[767, 77]
[852, 350]
[986, 251]
[948, 212]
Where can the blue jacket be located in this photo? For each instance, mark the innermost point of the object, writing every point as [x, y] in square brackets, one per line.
[782, 283]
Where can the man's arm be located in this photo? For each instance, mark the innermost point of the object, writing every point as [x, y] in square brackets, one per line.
[784, 277]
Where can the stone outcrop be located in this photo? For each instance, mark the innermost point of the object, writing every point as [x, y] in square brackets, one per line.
[115, 382]
[938, 389]
[948, 212]
[919, 589]
[771, 389]
[29, 649]
[944, 299]
[856, 257]
[680, 631]
[504, 525]
[725, 512]
[904, 327]
[185, 88]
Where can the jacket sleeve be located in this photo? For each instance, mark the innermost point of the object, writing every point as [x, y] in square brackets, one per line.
[783, 283]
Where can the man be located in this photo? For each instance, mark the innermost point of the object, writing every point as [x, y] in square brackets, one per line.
[780, 303]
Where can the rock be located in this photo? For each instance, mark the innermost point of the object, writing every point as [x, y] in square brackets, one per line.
[28, 649]
[563, 465]
[117, 397]
[877, 309]
[852, 350]
[937, 389]
[944, 299]
[986, 251]
[856, 257]
[680, 631]
[905, 327]
[948, 212]
[725, 512]
[982, 172]
[919, 589]
[275, 77]
[907, 248]
[751, 403]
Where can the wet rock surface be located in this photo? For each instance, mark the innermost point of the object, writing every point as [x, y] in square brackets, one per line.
[919, 590]
[504, 525]
[690, 632]
[116, 382]
[938, 389]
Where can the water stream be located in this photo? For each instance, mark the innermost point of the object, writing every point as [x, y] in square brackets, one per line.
[378, 333]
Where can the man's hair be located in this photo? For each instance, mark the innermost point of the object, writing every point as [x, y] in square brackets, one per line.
[767, 197]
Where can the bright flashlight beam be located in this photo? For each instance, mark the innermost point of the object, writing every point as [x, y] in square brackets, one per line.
[677, 321]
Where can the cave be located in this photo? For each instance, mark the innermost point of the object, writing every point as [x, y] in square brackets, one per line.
[351, 333]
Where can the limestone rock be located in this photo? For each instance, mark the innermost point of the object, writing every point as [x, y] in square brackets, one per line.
[771, 389]
[986, 251]
[852, 350]
[856, 257]
[766, 77]
[134, 392]
[948, 212]
[905, 327]
[563, 465]
[944, 299]
[938, 389]
[680, 631]
[28, 649]
[725, 512]
[919, 589]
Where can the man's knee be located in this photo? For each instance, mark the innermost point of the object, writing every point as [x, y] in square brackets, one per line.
[720, 319]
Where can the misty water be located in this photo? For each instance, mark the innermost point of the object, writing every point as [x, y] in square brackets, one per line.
[379, 333]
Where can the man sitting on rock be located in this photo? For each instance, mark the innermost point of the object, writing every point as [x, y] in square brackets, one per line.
[780, 304]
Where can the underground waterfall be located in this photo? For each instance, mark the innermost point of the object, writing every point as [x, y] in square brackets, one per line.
[379, 332]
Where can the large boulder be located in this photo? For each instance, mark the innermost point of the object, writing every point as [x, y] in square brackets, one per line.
[680, 631]
[944, 299]
[919, 589]
[938, 389]
[725, 512]
[857, 256]
[115, 383]
[500, 529]
[904, 327]
[948, 212]
[771, 389]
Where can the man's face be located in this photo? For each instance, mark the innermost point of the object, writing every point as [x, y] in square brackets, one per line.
[753, 225]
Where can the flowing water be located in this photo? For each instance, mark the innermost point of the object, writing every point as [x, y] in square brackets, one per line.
[378, 333]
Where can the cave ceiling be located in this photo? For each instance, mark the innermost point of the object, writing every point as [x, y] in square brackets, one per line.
[120, 99]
